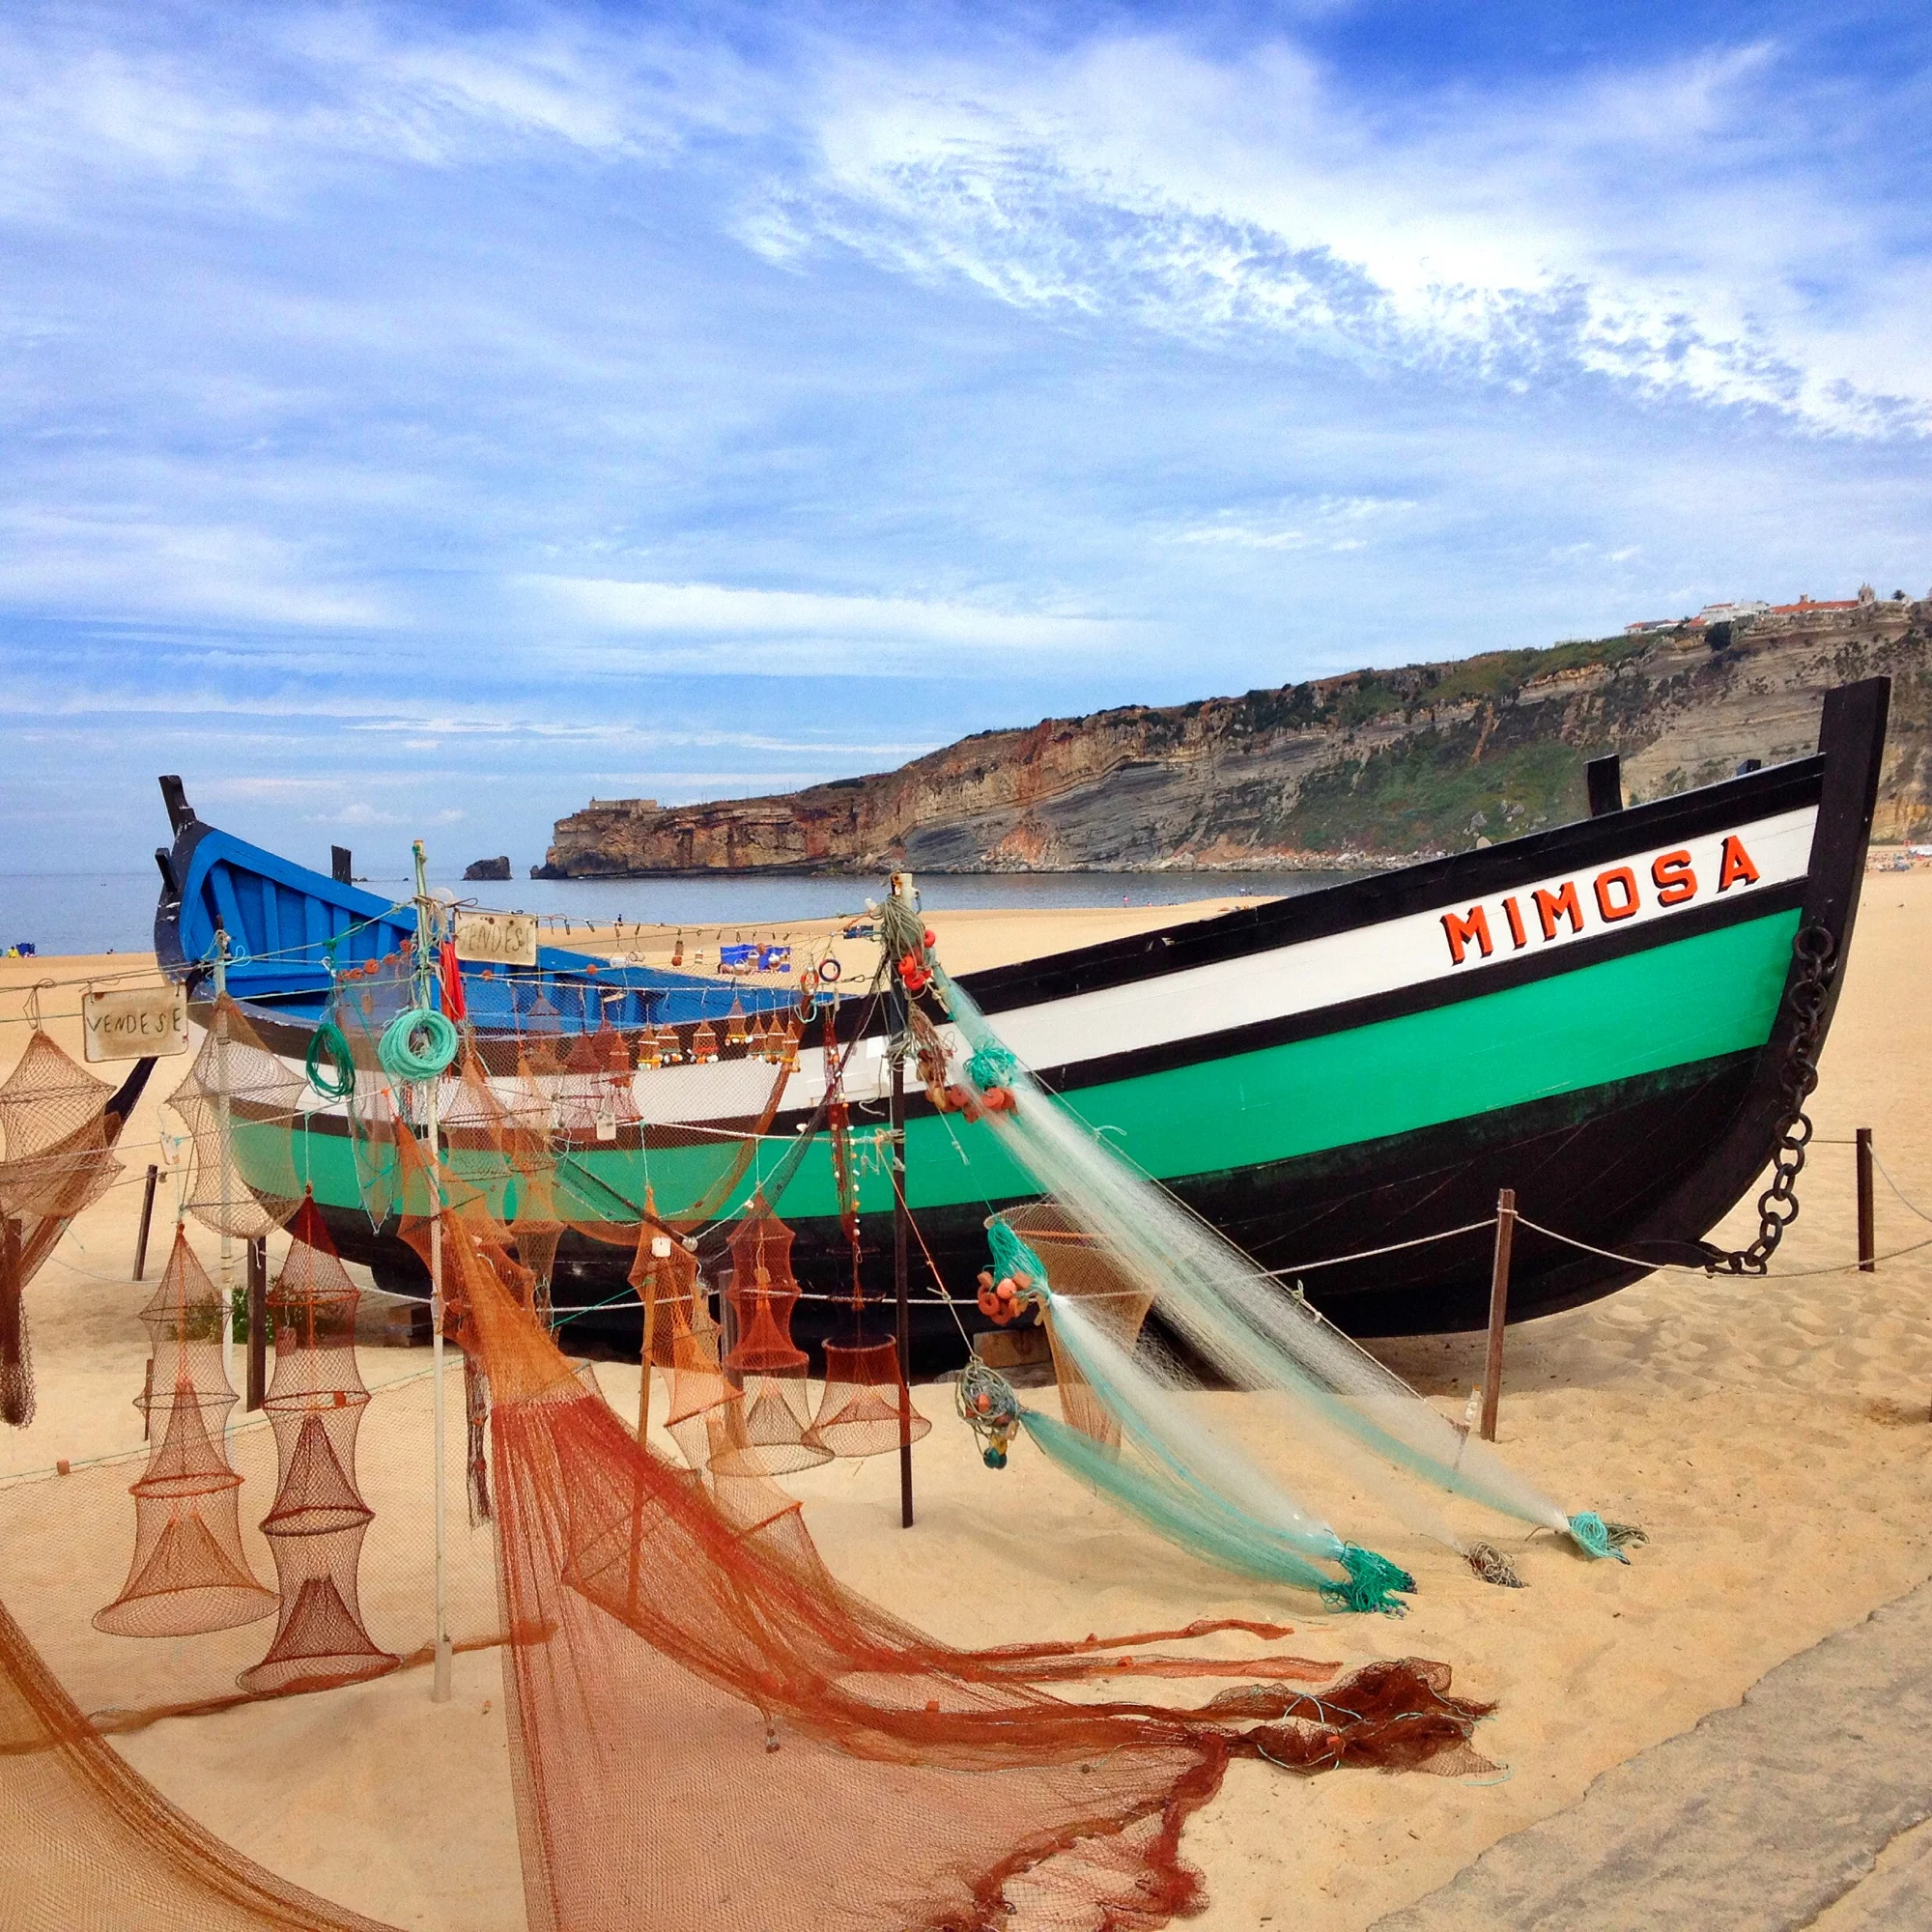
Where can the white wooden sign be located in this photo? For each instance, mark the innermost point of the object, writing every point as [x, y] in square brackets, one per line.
[133, 1022]
[497, 938]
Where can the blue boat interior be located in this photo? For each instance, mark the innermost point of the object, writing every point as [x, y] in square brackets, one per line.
[290, 930]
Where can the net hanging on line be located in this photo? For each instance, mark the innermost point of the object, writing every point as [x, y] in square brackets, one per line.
[188, 1574]
[865, 1408]
[314, 1529]
[239, 1104]
[56, 1137]
[663, 1642]
[775, 1415]
[1238, 1319]
[51, 1115]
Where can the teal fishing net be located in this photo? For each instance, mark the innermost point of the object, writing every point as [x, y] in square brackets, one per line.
[1237, 1319]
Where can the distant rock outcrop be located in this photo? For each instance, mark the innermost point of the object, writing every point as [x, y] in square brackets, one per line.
[1364, 768]
[488, 868]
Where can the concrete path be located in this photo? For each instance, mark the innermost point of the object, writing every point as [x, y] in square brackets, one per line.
[1795, 1808]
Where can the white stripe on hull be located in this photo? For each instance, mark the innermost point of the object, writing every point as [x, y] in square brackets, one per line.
[1288, 981]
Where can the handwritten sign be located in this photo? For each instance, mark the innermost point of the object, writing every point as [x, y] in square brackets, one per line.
[134, 1023]
[497, 938]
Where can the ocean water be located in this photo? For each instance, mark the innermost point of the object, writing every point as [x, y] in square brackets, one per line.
[100, 912]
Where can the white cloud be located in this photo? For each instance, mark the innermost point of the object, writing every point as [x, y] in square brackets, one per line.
[136, 564]
[1332, 524]
[812, 618]
[1679, 228]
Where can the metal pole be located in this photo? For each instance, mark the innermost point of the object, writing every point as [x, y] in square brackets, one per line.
[899, 1287]
[439, 1686]
[147, 1221]
[1499, 1290]
[258, 1321]
[225, 1132]
[1867, 1225]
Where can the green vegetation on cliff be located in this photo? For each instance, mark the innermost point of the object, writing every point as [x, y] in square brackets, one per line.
[1369, 765]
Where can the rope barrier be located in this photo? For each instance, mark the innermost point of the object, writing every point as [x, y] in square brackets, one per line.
[1705, 1274]
[1392, 1248]
[1913, 1205]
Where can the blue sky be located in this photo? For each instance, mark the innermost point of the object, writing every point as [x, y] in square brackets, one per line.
[420, 420]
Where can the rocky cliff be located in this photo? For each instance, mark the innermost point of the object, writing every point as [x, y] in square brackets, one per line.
[1362, 768]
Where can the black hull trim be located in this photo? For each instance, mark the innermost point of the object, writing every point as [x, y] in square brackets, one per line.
[1587, 1164]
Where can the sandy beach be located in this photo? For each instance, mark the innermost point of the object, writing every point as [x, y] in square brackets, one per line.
[1770, 1435]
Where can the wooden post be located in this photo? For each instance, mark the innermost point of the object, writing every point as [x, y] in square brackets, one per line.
[1499, 1293]
[645, 1373]
[900, 1273]
[147, 1220]
[1867, 1230]
[258, 1321]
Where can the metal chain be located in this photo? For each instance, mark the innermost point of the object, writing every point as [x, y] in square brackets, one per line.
[1777, 1205]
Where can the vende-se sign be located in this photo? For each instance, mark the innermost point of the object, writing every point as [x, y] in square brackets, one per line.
[134, 1023]
[497, 938]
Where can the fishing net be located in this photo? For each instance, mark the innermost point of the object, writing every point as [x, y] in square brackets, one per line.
[566, 1128]
[51, 1127]
[239, 1104]
[92, 1847]
[865, 1408]
[56, 1135]
[810, 1761]
[316, 1529]
[1081, 1269]
[188, 1574]
[1180, 1476]
[1233, 1317]
[664, 1640]
[663, 1274]
[773, 1421]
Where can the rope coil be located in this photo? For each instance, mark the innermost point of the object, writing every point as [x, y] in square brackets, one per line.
[417, 1045]
[329, 1042]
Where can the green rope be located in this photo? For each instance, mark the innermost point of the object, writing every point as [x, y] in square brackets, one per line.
[328, 1038]
[1371, 1585]
[403, 1058]
[1595, 1537]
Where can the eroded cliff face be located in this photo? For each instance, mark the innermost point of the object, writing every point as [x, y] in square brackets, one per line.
[1366, 768]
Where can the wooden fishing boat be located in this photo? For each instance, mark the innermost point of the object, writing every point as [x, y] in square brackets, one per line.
[1616, 1018]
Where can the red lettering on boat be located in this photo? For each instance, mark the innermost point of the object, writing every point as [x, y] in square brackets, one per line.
[1517, 937]
[1624, 881]
[1475, 925]
[1562, 903]
[1673, 878]
[1737, 866]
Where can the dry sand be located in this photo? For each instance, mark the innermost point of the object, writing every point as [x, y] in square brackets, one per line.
[1771, 1435]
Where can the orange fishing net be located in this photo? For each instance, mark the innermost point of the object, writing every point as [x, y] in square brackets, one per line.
[56, 1133]
[824, 1764]
[860, 1412]
[188, 1574]
[776, 1413]
[671, 1639]
[92, 1847]
[315, 1530]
